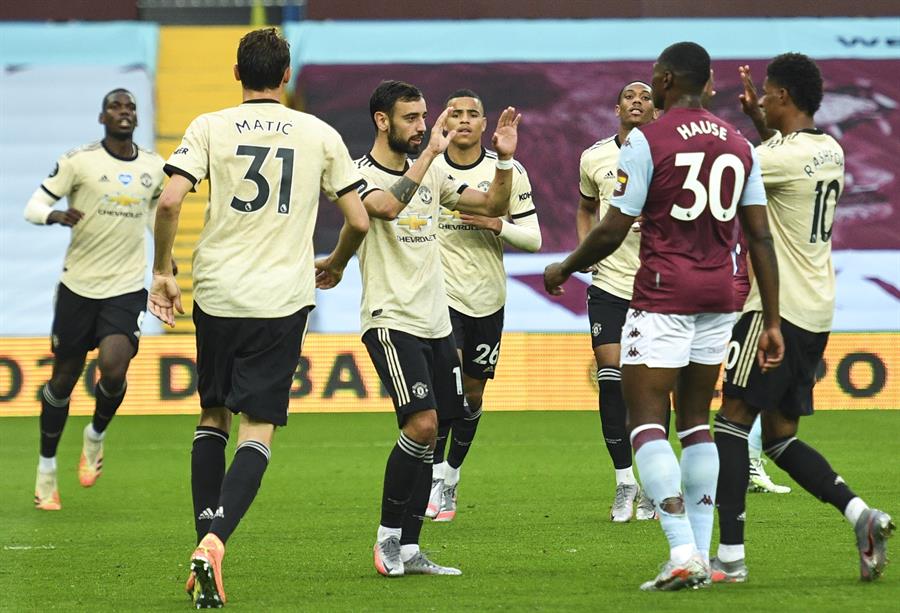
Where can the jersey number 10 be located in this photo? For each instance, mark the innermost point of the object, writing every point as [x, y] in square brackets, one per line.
[259, 155]
[818, 223]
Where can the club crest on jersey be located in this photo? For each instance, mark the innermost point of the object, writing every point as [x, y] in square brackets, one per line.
[146, 179]
[425, 194]
[621, 183]
[484, 186]
[125, 178]
[419, 390]
[55, 170]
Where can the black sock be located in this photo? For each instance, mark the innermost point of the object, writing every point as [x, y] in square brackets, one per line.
[415, 509]
[668, 419]
[54, 412]
[106, 405]
[734, 476]
[400, 477]
[807, 467]
[239, 487]
[613, 416]
[207, 473]
[461, 440]
[440, 444]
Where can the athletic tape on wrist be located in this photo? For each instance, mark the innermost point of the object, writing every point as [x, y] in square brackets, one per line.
[505, 164]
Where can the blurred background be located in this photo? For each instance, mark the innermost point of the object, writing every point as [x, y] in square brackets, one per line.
[560, 63]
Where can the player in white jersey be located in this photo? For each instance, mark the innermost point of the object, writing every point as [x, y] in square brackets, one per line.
[803, 172]
[472, 258]
[254, 279]
[405, 320]
[111, 186]
[610, 292]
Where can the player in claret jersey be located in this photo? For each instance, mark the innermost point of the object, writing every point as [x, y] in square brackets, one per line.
[803, 172]
[688, 174]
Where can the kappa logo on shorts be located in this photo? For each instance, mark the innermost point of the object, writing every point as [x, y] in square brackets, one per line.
[633, 353]
[706, 500]
[425, 194]
[634, 333]
[419, 390]
[596, 329]
[637, 313]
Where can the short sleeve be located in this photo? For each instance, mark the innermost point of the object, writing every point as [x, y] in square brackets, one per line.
[754, 190]
[770, 165]
[634, 174]
[451, 189]
[586, 185]
[61, 179]
[191, 158]
[340, 175]
[521, 203]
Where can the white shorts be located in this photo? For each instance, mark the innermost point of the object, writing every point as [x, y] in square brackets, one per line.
[661, 340]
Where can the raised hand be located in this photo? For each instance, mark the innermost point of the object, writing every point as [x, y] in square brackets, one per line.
[69, 217]
[327, 274]
[749, 99]
[438, 141]
[165, 298]
[506, 136]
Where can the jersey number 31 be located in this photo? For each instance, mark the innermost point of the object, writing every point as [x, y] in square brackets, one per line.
[259, 155]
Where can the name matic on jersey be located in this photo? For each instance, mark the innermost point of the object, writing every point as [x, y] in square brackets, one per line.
[263, 126]
[695, 128]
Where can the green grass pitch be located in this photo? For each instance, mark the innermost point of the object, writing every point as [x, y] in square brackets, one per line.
[532, 533]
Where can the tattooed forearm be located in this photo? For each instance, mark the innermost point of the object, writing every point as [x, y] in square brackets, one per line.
[404, 189]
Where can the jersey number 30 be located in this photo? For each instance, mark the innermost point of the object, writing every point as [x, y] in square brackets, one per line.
[259, 155]
[694, 162]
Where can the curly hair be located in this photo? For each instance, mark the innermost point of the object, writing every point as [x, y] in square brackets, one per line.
[800, 76]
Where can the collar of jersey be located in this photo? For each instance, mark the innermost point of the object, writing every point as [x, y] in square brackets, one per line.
[399, 173]
[119, 157]
[813, 131]
[464, 166]
[261, 101]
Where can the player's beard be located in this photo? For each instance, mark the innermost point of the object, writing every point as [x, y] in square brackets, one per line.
[403, 146]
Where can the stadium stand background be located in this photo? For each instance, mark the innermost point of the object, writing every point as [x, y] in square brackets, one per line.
[556, 70]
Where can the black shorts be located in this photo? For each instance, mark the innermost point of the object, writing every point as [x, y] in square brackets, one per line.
[418, 373]
[606, 312]
[79, 323]
[248, 364]
[479, 340]
[788, 388]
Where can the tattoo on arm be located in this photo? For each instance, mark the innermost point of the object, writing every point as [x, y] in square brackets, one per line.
[404, 189]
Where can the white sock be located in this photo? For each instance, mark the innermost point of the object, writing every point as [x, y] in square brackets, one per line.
[854, 509]
[451, 475]
[681, 553]
[730, 553]
[754, 439]
[625, 475]
[408, 552]
[93, 434]
[386, 533]
[437, 471]
[47, 465]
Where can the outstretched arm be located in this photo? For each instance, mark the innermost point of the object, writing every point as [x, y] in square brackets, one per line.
[330, 269]
[750, 105]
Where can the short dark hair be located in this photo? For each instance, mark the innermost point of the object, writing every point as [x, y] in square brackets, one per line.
[800, 76]
[388, 93]
[624, 87]
[262, 57]
[118, 90]
[463, 93]
[689, 61]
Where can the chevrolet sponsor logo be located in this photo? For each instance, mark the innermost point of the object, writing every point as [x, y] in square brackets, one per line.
[448, 215]
[123, 200]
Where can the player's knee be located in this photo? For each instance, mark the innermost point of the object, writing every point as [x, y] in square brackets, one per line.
[422, 427]
[216, 417]
[475, 398]
[672, 506]
[62, 384]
